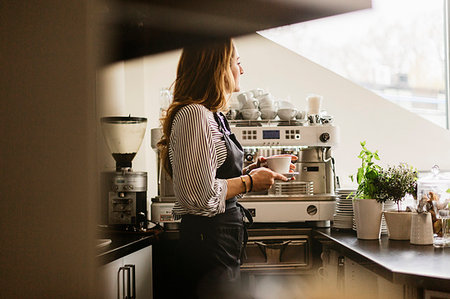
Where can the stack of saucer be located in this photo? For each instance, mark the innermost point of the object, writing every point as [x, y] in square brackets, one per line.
[343, 217]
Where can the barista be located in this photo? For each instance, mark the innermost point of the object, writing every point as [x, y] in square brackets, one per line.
[205, 162]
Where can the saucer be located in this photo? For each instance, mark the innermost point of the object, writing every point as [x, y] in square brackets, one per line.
[290, 175]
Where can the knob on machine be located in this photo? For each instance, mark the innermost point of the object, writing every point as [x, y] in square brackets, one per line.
[324, 137]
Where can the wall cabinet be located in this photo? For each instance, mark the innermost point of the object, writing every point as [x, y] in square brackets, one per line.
[128, 277]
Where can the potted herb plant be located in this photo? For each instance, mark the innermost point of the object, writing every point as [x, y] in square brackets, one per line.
[366, 207]
[393, 184]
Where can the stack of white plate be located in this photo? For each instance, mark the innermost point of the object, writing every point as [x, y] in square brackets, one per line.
[388, 206]
[343, 217]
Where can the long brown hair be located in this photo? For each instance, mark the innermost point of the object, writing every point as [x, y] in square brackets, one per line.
[203, 77]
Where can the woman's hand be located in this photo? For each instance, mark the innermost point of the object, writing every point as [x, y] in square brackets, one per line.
[264, 178]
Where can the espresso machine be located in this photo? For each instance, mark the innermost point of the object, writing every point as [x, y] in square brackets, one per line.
[309, 198]
[124, 192]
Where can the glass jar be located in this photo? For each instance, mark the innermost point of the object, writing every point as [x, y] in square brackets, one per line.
[434, 190]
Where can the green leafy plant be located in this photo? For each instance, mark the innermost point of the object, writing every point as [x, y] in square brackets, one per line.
[367, 174]
[395, 183]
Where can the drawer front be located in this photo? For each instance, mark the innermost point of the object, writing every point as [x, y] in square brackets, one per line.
[277, 251]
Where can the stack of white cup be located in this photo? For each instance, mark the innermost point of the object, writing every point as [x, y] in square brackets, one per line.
[249, 106]
[267, 106]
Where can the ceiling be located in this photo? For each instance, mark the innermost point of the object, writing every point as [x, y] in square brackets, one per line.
[134, 28]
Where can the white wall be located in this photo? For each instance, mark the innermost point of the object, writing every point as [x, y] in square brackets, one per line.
[133, 87]
[399, 135]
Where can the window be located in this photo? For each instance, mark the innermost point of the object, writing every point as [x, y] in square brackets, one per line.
[396, 49]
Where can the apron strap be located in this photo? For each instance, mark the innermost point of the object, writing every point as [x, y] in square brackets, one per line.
[249, 217]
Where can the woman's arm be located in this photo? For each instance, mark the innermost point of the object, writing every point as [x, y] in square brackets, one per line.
[263, 178]
[194, 162]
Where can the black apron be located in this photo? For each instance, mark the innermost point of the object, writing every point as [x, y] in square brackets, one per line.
[211, 247]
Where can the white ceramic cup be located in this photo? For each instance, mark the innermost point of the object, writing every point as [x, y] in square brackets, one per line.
[301, 114]
[250, 114]
[257, 92]
[243, 97]
[280, 164]
[287, 113]
[314, 103]
[234, 103]
[251, 103]
[266, 100]
[285, 104]
[268, 113]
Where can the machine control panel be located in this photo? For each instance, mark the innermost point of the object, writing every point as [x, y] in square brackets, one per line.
[287, 135]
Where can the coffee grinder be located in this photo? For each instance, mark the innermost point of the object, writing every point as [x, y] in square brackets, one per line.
[125, 190]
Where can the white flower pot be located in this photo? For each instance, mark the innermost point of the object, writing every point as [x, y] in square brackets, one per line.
[398, 224]
[421, 229]
[368, 218]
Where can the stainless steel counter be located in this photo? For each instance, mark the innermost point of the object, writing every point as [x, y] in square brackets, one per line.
[397, 261]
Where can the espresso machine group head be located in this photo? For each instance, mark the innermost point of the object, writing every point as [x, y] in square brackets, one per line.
[125, 190]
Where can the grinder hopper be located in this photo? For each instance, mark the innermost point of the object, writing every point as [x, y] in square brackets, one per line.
[124, 136]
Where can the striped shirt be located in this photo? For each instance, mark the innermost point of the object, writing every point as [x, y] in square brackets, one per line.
[196, 151]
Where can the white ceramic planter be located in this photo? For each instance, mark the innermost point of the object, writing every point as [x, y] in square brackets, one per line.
[398, 224]
[368, 218]
[421, 229]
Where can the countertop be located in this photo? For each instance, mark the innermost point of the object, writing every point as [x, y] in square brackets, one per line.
[397, 261]
[124, 243]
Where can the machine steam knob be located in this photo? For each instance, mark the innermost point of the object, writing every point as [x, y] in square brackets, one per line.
[324, 137]
[115, 187]
[249, 157]
[311, 210]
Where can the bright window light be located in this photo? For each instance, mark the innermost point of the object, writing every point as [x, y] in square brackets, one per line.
[396, 49]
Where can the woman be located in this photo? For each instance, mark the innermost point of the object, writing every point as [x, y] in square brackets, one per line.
[205, 162]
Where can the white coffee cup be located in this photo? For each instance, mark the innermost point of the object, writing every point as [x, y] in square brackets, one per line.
[234, 103]
[257, 92]
[243, 97]
[287, 113]
[268, 113]
[251, 103]
[250, 114]
[266, 100]
[301, 114]
[280, 164]
[314, 103]
[285, 104]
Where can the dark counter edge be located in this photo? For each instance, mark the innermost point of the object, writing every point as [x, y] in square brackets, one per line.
[124, 244]
[416, 280]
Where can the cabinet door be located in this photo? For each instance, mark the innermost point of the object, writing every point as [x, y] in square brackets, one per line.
[142, 260]
[359, 280]
[107, 275]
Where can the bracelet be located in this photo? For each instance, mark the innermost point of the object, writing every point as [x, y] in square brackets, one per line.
[251, 182]
[245, 184]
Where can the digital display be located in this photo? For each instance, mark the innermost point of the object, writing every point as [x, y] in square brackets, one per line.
[271, 134]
